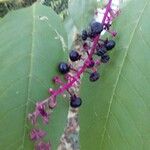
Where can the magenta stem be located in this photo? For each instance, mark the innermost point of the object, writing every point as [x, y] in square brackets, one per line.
[107, 11]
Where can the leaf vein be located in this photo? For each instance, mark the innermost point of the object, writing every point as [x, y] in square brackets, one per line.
[30, 77]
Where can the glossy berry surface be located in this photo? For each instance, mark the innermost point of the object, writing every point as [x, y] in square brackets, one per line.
[74, 55]
[96, 28]
[101, 51]
[75, 102]
[105, 58]
[84, 35]
[110, 44]
[94, 76]
[63, 68]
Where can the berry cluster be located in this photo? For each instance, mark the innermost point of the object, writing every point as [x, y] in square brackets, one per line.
[93, 52]
[102, 47]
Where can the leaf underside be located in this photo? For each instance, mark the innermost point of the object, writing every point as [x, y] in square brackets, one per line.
[82, 11]
[32, 44]
[116, 111]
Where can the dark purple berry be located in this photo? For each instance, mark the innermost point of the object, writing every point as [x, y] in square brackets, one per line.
[63, 68]
[75, 102]
[96, 28]
[105, 58]
[110, 44]
[74, 55]
[94, 76]
[101, 51]
[84, 35]
[91, 64]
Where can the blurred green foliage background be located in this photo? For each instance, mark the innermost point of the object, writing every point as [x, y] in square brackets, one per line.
[59, 6]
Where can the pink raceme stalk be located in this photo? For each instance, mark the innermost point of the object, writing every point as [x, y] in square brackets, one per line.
[42, 108]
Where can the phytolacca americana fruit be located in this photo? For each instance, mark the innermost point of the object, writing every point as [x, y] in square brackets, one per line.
[74, 55]
[110, 44]
[96, 28]
[63, 68]
[94, 76]
[101, 51]
[75, 101]
[105, 58]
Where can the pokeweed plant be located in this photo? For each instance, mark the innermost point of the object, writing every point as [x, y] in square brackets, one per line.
[115, 110]
[93, 45]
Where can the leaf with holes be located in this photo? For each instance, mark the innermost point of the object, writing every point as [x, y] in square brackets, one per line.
[32, 43]
[115, 114]
[82, 12]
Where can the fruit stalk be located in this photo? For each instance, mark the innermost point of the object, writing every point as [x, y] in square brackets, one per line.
[42, 108]
[84, 67]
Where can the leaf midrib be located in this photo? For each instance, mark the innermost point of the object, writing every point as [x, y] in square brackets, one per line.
[29, 75]
[120, 71]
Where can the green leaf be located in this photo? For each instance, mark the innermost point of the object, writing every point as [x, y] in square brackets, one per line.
[115, 114]
[32, 44]
[82, 12]
[71, 30]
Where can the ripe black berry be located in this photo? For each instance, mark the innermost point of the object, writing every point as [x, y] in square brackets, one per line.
[110, 45]
[75, 102]
[96, 28]
[105, 58]
[74, 55]
[94, 76]
[84, 35]
[63, 68]
[101, 51]
[91, 64]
